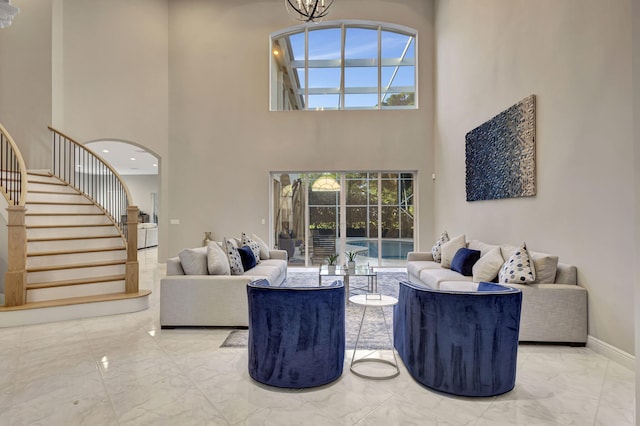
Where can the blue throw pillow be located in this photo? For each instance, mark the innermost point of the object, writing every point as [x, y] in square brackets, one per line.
[247, 257]
[463, 261]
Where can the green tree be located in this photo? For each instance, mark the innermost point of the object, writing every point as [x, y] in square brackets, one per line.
[400, 99]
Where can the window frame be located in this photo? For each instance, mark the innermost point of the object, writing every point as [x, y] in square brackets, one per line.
[304, 91]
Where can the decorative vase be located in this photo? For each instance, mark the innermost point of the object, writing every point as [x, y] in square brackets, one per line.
[207, 239]
[331, 269]
[351, 266]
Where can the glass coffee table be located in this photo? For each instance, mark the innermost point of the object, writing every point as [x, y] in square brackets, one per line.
[360, 271]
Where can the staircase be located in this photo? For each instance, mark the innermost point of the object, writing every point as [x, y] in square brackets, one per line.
[77, 261]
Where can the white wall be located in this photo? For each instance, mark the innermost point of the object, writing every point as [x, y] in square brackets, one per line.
[25, 81]
[224, 140]
[115, 78]
[636, 180]
[575, 56]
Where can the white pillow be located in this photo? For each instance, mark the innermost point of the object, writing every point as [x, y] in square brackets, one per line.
[264, 248]
[436, 250]
[235, 261]
[194, 261]
[545, 266]
[518, 269]
[253, 245]
[450, 248]
[217, 262]
[486, 269]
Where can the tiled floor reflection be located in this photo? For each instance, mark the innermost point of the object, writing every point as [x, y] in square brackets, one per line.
[124, 370]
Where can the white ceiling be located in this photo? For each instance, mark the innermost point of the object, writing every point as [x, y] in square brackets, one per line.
[120, 155]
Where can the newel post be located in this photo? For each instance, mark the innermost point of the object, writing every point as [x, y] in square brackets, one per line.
[131, 274]
[15, 281]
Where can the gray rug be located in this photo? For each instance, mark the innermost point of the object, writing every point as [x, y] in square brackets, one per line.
[373, 334]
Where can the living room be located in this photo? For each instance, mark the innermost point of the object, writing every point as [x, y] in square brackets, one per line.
[189, 80]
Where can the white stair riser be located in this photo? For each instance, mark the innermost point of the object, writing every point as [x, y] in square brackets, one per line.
[62, 208]
[65, 292]
[40, 246]
[46, 187]
[76, 273]
[70, 259]
[60, 198]
[96, 231]
[66, 220]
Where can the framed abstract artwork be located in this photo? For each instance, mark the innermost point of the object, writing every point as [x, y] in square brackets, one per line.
[500, 154]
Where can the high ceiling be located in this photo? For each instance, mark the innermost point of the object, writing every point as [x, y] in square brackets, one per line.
[127, 159]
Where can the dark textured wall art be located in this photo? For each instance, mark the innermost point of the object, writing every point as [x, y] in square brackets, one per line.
[500, 154]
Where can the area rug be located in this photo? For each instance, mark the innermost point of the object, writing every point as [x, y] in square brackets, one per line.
[373, 334]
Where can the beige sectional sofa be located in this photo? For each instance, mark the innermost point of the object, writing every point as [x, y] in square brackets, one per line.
[213, 300]
[554, 306]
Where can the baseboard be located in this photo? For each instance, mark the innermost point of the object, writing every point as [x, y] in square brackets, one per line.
[621, 357]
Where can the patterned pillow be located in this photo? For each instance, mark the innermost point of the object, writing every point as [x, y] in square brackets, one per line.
[253, 245]
[235, 261]
[518, 269]
[436, 251]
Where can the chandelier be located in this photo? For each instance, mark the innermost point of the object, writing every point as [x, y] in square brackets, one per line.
[308, 10]
[7, 13]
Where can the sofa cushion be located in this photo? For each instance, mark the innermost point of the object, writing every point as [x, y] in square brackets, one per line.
[458, 286]
[268, 272]
[235, 261]
[450, 248]
[217, 262]
[414, 267]
[518, 269]
[255, 247]
[264, 248]
[247, 257]
[194, 261]
[545, 266]
[463, 261]
[433, 277]
[488, 266]
[436, 250]
[277, 263]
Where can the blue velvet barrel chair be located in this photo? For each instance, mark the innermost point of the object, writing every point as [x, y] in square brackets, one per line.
[296, 334]
[462, 343]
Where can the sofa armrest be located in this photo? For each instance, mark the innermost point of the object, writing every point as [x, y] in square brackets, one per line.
[278, 254]
[419, 256]
[174, 267]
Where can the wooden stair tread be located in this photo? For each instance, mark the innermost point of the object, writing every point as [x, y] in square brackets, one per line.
[47, 182]
[77, 300]
[89, 250]
[79, 281]
[32, 191]
[64, 214]
[77, 266]
[68, 226]
[35, 173]
[59, 203]
[86, 237]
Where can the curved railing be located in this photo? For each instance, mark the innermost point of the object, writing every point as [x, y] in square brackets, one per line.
[86, 171]
[13, 173]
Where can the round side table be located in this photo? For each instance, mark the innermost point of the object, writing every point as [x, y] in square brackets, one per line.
[379, 301]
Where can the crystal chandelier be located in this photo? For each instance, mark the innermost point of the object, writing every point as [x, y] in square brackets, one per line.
[7, 13]
[308, 10]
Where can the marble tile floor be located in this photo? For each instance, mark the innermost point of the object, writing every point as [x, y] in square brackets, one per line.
[125, 370]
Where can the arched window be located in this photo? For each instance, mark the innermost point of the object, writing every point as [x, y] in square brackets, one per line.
[344, 65]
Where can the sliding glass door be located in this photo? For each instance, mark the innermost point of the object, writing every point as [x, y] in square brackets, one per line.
[323, 213]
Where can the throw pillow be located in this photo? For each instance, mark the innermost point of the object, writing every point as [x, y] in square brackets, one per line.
[264, 248]
[194, 261]
[545, 266]
[436, 249]
[246, 241]
[217, 262]
[235, 261]
[450, 248]
[519, 268]
[486, 269]
[463, 261]
[247, 257]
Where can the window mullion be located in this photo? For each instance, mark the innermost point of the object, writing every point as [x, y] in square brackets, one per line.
[379, 67]
[343, 37]
[306, 68]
